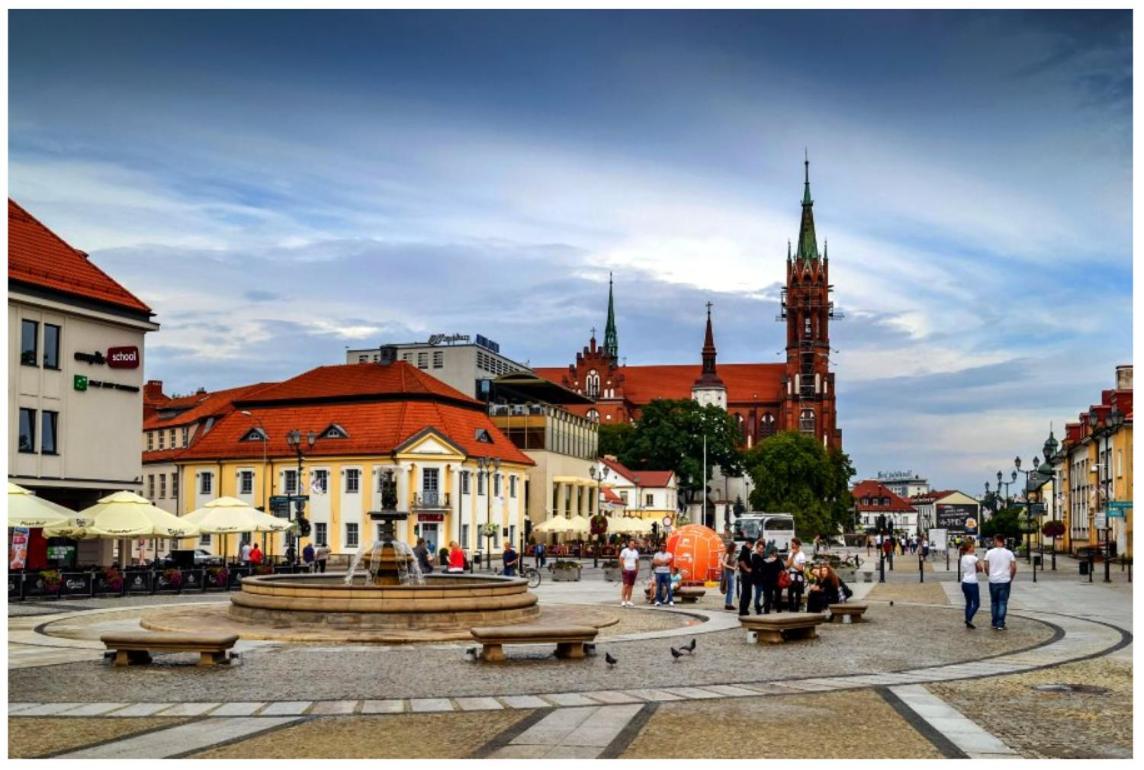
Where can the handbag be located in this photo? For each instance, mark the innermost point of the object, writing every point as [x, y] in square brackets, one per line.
[784, 579]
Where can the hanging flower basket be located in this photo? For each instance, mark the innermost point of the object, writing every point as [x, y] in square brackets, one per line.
[490, 529]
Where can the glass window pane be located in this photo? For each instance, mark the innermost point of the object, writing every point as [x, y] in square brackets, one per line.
[51, 346]
[29, 331]
[49, 425]
[27, 430]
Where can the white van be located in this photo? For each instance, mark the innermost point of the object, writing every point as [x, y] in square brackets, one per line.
[777, 528]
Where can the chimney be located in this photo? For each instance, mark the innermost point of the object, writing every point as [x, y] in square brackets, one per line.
[1124, 377]
[153, 391]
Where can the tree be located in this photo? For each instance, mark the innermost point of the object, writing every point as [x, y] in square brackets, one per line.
[793, 473]
[1005, 522]
[614, 438]
[669, 436]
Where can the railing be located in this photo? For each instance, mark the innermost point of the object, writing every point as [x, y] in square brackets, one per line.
[431, 499]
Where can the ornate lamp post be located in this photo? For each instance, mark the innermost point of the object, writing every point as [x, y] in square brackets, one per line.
[1046, 469]
[488, 467]
[598, 476]
[294, 439]
[1104, 429]
[1028, 511]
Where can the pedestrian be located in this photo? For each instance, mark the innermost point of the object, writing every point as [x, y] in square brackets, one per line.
[539, 555]
[1001, 565]
[925, 547]
[772, 594]
[509, 560]
[729, 568]
[321, 554]
[661, 567]
[757, 569]
[244, 553]
[255, 555]
[968, 567]
[869, 544]
[629, 570]
[308, 556]
[746, 578]
[421, 551]
[796, 565]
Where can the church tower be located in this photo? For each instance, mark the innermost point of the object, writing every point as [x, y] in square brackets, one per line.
[611, 339]
[708, 388]
[808, 398]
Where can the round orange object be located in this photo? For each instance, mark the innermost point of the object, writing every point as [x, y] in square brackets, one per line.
[698, 552]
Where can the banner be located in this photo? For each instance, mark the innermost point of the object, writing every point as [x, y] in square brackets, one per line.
[18, 549]
[957, 518]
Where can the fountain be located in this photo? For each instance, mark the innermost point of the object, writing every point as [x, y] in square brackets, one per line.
[392, 601]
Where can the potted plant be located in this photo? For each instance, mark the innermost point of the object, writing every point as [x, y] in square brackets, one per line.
[565, 570]
[173, 577]
[52, 580]
[113, 579]
[611, 570]
[218, 576]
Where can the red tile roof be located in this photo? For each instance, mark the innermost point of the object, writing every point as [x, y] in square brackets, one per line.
[355, 381]
[373, 428]
[205, 405]
[877, 490]
[39, 257]
[611, 497]
[642, 384]
[640, 478]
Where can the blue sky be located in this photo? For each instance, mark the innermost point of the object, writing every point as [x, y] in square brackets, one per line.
[281, 185]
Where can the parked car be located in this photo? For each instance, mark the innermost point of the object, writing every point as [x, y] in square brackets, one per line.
[199, 557]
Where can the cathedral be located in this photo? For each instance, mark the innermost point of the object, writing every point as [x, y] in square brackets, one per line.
[796, 394]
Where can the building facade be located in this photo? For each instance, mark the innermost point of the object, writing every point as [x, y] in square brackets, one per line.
[873, 499]
[797, 394]
[651, 495]
[75, 372]
[905, 484]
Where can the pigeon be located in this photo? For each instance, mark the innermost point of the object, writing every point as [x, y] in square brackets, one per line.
[676, 653]
[891, 602]
[689, 647]
[609, 659]
[471, 653]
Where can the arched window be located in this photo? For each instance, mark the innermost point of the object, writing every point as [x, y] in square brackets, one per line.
[592, 384]
[806, 421]
[593, 415]
[768, 422]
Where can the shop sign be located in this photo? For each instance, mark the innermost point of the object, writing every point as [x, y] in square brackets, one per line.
[75, 584]
[193, 579]
[18, 550]
[123, 357]
[139, 582]
[82, 383]
[430, 517]
[957, 518]
[1117, 508]
[437, 339]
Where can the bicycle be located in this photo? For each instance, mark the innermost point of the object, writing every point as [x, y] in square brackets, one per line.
[532, 574]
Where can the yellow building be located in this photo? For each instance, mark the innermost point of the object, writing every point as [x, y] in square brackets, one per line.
[335, 433]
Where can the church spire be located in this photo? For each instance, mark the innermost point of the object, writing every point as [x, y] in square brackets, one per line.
[709, 377]
[807, 241]
[611, 340]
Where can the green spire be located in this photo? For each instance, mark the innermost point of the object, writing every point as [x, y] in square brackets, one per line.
[807, 242]
[611, 341]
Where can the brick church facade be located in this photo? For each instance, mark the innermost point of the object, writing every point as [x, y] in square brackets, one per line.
[794, 395]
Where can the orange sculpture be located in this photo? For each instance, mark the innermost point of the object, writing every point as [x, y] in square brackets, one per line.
[698, 552]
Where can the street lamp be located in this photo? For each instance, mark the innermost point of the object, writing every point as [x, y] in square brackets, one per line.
[1028, 511]
[294, 440]
[1046, 469]
[1104, 429]
[598, 476]
[487, 467]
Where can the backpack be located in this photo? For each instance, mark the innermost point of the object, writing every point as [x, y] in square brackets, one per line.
[784, 579]
[844, 589]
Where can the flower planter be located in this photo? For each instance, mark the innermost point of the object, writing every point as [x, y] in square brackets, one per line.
[565, 574]
[612, 574]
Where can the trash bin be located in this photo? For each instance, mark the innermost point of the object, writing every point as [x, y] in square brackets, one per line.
[1083, 568]
[1037, 560]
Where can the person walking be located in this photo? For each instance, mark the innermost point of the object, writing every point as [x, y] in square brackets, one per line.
[538, 553]
[308, 556]
[796, 565]
[746, 580]
[321, 555]
[244, 553]
[772, 594]
[255, 555]
[509, 560]
[968, 567]
[1001, 564]
[629, 571]
[661, 567]
[730, 567]
[758, 567]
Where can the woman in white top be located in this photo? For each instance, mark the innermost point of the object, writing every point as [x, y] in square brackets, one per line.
[968, 568]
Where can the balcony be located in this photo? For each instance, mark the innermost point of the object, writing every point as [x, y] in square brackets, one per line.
[430, 500]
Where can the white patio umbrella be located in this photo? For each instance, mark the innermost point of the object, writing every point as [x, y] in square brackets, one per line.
[27, 509]
[578, 525]
[225, 515]
[125, 515]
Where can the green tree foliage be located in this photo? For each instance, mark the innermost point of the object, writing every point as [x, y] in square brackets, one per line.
[793, 473]
[614, 438]
[1006, 522]
[669, 436]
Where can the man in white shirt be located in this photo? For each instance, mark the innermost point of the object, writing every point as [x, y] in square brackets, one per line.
[1001, 565]
[630, 567]
[661, 566]
[244, 554]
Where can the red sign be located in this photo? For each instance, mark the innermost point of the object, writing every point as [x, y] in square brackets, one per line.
[123, 358]
[430, 517]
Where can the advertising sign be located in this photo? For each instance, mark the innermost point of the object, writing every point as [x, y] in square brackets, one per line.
[18, 549]
[75, 584]
[957, 518]
[139, 582]
[123, 358]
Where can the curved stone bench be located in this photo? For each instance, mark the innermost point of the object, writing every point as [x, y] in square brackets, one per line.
[855, 612]
[689, 594]
[137, 646]
[569, 640]
[783, 626]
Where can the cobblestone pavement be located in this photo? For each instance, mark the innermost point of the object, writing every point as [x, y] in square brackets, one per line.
[535, 706]
[43, 736]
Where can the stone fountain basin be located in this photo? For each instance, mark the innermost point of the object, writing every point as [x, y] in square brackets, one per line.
[443, 602]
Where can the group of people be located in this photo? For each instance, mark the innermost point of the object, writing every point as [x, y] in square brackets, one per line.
[758, 574]
[316, 557]
[892, 545]
[250, 555]
[1000, 565]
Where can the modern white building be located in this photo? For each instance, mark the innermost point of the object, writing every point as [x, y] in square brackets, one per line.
[75, 373]
[453, 359]
[905, 484]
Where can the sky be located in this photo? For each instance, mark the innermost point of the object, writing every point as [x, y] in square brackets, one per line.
[279, 186]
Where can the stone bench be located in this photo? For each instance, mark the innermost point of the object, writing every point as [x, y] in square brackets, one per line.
[569, 640]
[137, 646]
[855, 611]
[689, 594]
[783, 626]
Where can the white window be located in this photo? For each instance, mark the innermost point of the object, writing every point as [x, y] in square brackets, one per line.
[1119, 463]
[422, 360]
[480, 483]
[162, 486]
[496, 485]
[438, 359]
[512, 486]
[649, 500]
[320, 534]
[353, 480]
[464, 535]
[624, 496]
[593, 415]
[320, 482]
[592, 384]
[351, 536]
[204, 483]
[175, 484]
[150, 440]
[173, 445]
[464, 482]
[246, 482]
[161, 434]
[806, 421]
[151, 486]
[205, 540]
[407, 357]
[186, 435]
[362, 359]
[291, 482]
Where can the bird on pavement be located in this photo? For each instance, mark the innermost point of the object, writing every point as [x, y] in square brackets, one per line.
[689, 647]
[471, 653]
[609, 659]
[676, 653]
[891, 602]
